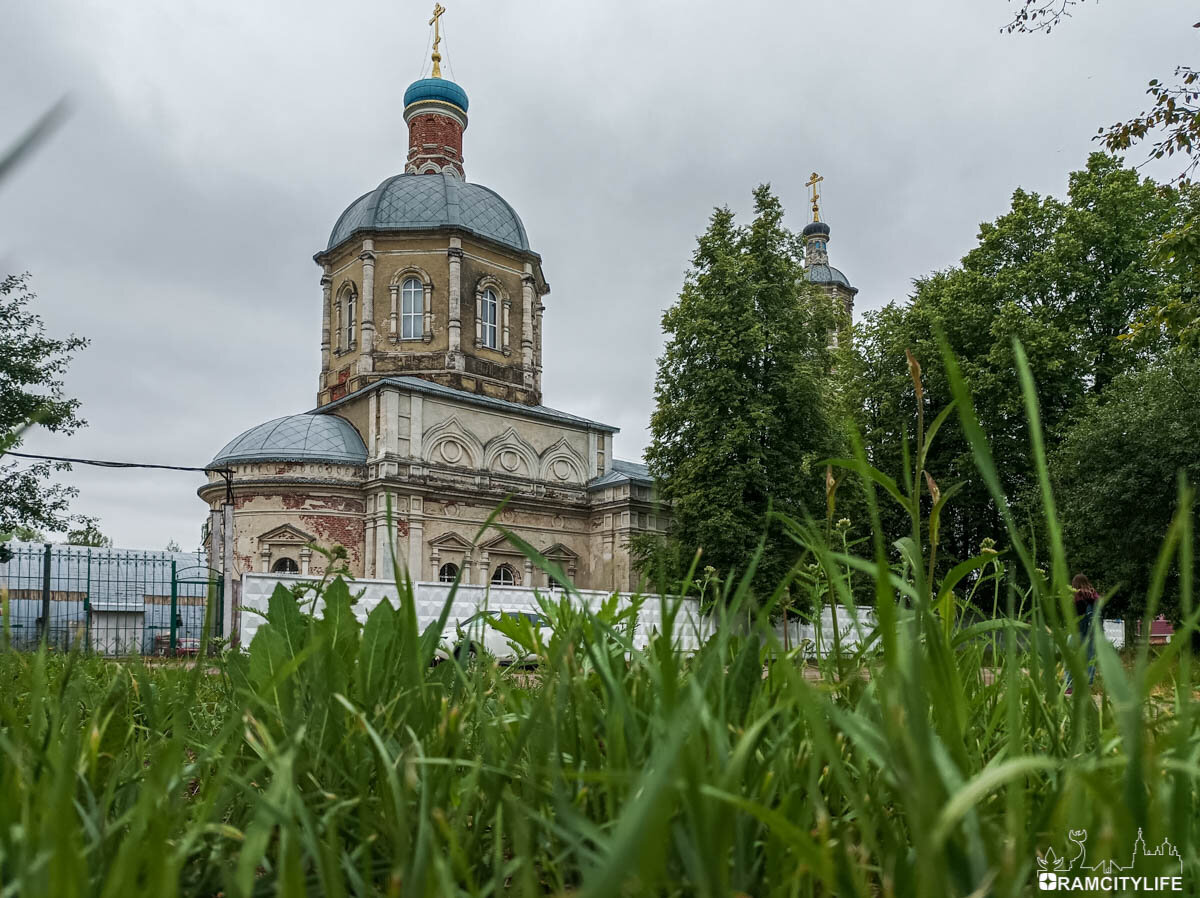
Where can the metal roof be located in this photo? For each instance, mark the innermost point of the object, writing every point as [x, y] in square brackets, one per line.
[442, 89]
[296, 438]
[429, 388]
[827, 274]
[623, 471]
[425, 202]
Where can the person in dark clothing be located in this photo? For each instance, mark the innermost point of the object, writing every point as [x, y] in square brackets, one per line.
[1086, 600]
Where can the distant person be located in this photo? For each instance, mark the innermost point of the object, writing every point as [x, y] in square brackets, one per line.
[1086, 600]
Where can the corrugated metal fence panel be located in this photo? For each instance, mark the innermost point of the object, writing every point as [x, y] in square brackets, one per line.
[690, 628]
[112, 601]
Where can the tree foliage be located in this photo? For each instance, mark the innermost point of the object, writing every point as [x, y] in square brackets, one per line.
[89, 534]
[1116, 474]
[1065, 277]
[744, 399]
[31, 392]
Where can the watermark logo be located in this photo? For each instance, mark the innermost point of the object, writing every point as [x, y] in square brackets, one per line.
[1157, 869]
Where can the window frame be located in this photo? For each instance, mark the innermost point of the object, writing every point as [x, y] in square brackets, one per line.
[502, 570]
[489, 327]
[412, 289]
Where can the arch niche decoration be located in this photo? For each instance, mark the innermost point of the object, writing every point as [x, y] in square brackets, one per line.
[450, 444]
[562, 464]
[510, 455]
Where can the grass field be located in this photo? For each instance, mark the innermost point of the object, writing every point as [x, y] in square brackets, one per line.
[334, 758]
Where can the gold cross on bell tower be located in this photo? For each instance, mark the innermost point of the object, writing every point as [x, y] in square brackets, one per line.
[438, 10]
[812, 183]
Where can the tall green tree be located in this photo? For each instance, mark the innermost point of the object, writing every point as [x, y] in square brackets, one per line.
[31, 393]
[1116, 476]
[744, 395]
[1068, 278]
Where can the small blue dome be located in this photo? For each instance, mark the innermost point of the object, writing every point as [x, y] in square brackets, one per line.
[296, 438]
[815, 227]
[425, 202]
[436, 89]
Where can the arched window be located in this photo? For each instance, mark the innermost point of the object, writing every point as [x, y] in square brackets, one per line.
[488, 309]
[412, 309]
[448, 573]
[285, 566]
[504, 575]
[349, 319]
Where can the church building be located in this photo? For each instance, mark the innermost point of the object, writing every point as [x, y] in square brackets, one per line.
[429, 397]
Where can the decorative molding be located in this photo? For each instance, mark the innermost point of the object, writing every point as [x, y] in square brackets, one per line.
[562, 464]
[450, 540]
[449, 443]
[510, 454]
[286, 534]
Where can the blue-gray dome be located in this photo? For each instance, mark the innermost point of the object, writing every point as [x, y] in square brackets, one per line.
[326, 438]
[436, 89]
[827, 274]
[815, 227]
[424, 202]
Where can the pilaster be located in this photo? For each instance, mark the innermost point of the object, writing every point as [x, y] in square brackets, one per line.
[527, 325]
[326, 315]
[366, 362]
[454, 324]
[416, 536]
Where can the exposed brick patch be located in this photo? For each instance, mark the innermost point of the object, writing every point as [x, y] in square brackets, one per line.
[331, 529]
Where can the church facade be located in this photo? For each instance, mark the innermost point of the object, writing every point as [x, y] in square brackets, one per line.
[429, 407]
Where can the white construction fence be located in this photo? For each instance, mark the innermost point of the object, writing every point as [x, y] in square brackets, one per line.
[691, 628]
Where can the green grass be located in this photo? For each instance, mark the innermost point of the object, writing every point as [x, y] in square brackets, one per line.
[334, 759]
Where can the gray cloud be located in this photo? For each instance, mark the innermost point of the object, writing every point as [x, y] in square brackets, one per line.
[211, 146]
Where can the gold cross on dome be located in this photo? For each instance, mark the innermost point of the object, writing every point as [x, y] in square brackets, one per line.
[438, 10]
[812, 182]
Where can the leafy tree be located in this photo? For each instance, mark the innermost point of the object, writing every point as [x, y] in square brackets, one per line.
[1171, 122]
[1066, 278]
[1116, 475]
[28, 535]
[31, 391]
[89, 535]
[745, 404]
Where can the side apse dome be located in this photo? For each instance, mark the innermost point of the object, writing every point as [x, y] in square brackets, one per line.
[296, 438]
[413, 202]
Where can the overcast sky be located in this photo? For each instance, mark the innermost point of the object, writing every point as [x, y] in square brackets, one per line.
[211, 146]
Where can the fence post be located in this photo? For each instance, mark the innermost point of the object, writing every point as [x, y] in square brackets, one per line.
[227, 573]
[87, 606]
[174, 610]
[44, 636]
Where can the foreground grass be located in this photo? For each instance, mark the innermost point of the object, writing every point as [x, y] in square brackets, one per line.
[335, 758]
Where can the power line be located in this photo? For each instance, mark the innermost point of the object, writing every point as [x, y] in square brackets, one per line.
[113, 464]
[226, 473]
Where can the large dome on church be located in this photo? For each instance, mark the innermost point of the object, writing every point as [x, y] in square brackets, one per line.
[428, 201]
[296, 438]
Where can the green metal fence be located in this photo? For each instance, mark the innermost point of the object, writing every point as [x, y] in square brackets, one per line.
[110, 602]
